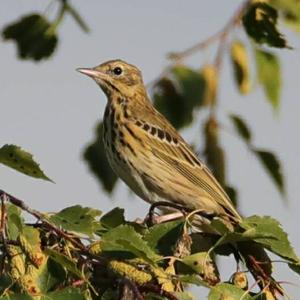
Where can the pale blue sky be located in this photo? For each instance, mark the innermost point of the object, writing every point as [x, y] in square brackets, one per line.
[51, 110]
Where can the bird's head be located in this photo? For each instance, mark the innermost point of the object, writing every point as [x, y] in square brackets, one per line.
[116, 77]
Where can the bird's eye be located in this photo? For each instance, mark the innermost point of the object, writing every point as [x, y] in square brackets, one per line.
[117, 71]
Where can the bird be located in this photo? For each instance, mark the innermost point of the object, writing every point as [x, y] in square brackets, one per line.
[147, 152]
[155, 161]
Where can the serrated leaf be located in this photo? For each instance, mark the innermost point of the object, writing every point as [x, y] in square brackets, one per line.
[268, 232]
[95, 156]
[240, 63]
[77, 218]
[65, 261]
[269, 76]
[260, 23]
[34, 36]
[164, 236]
[125, 238]
[241, 127]
[272, 165]
[228, 291]
[16, 158]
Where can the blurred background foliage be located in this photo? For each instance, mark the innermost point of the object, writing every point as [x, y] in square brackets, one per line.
[180, 92]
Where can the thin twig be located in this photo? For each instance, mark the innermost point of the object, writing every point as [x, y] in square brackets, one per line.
[3, 233]
[41, 218]
[235, 19]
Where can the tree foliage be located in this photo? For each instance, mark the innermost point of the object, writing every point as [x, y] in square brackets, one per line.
[81, 253]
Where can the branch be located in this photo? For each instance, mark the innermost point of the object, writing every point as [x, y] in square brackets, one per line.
[42, 218]
[220, 35]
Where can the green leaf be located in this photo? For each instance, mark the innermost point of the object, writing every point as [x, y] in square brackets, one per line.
[213, 151]
[192, 279]
[51, 274]
[178, 95]
[260, 23]
[183, 296]
[287, 6]
[295, 267]
[292, 21]
[65, 294]
[289, 12]
[65, 261]
[268, 232]
[34, 35]
[171, 103]
[191, 85]
[241, 127]
[202, 264]
[113, 218]
[32, 236]
[17, 297]
[269, 76]
[125, 238]
[15, 222]
[164, 236]
[228, 291]
[272, 165]
[95, 156]
[77, 218]
[240, 63]
[16, 158]
[110, 294]
[30, 243]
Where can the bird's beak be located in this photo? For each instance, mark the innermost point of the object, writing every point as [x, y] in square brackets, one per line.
[90, 72]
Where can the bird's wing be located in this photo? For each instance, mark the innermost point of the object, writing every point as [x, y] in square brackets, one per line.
[171, 149]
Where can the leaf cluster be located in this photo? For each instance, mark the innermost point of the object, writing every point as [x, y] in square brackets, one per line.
[76, 254]
[35, 36]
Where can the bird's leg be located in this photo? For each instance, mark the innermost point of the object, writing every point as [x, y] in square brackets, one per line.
[150, 219]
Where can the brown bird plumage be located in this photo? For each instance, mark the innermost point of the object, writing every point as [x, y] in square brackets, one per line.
[150, 156]
[147, 152]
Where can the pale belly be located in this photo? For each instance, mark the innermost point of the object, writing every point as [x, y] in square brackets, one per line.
[130, 176]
